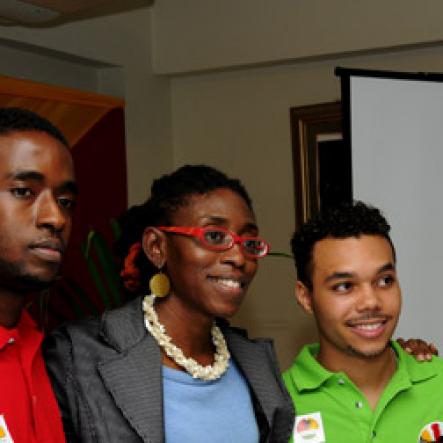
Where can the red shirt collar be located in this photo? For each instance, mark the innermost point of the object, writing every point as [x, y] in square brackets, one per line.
[25, 328]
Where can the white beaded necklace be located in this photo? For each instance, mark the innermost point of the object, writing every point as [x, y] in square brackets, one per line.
[158, 331]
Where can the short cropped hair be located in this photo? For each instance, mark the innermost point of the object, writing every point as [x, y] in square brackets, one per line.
[18, 119]
[342, 221]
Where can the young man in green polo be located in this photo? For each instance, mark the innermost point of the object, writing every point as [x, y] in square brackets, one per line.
[356, 385]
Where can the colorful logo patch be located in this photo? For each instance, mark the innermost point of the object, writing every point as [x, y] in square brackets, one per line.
[309, 428]
[433, 432]
[5, 436]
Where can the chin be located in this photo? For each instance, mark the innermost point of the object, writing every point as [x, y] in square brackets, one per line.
[36, 282]
[21, 278]
[225, 311]
[368, 352]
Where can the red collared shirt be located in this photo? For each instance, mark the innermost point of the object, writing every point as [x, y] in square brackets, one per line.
[27, 403]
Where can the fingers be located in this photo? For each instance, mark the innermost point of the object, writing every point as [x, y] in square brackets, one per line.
[433, 348]
[418, 348]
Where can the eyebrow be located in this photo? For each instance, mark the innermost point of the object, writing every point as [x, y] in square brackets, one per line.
[343, 275]
[69, 185]
[27, 175]
[386, 267]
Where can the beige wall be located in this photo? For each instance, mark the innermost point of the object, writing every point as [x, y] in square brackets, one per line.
[46, 68]
[122, 40]
[197, 35]
[239, 121]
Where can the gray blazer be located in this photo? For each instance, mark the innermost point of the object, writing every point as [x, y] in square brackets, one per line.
[106, 374]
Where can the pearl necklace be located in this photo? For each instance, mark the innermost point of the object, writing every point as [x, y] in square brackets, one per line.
[158, 331]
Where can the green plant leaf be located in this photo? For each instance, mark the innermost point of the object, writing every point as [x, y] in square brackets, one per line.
[280, 254]
[116, 229]
[93, 271]
[107, 264]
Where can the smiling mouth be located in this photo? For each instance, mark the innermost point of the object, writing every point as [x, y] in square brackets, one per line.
[229, 283]
[369, 328]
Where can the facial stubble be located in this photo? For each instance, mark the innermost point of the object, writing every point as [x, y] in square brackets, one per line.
[16, 278]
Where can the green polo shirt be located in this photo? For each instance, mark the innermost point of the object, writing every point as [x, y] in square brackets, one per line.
[331, 409]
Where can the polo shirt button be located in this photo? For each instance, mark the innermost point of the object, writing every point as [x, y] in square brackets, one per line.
[374, 434]
[358, 404]
[340, 381]
[11, 340]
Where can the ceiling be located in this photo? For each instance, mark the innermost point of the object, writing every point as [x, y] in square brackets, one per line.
[53, 12]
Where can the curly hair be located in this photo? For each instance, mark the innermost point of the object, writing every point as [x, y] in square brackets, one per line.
[350, 219]
[168, 193]
[18, 119]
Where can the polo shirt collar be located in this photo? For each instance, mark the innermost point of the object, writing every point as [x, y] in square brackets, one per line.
[308, 373]
[410, 368]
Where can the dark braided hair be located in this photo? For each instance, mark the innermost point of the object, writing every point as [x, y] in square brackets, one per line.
[168, 193]
[342, 221]
[18, 119]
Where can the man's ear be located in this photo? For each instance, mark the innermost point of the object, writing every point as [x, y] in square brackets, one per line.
[154, 243]
[303, 296]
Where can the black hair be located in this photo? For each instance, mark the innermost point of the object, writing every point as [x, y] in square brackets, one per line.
[168, 193]
[18, 120]
[350, 219]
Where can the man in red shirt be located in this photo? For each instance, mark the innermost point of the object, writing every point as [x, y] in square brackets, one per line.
[37, 197]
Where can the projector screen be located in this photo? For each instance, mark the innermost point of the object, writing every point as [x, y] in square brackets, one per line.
[394, 123]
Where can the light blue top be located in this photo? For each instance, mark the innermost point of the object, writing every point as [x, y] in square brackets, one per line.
[218, 411]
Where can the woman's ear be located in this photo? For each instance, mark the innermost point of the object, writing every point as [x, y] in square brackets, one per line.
[154, 246]
[303, 296]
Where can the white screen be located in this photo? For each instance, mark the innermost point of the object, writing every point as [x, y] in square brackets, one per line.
[397, 161]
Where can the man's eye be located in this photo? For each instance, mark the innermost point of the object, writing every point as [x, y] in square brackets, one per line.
[386, 281]
[66, 203]
[22, 192]
[342, 287]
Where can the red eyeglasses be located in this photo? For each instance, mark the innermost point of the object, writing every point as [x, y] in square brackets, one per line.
[220, 239]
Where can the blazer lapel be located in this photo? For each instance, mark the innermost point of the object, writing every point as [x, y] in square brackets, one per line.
[134, 376]
[250, 357]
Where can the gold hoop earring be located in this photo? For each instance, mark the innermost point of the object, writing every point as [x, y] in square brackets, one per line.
[159, 284]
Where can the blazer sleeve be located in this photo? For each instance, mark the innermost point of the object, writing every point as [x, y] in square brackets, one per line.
[284, 417]
[57, 350]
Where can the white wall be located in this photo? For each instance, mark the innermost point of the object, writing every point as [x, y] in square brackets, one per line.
[397, 156]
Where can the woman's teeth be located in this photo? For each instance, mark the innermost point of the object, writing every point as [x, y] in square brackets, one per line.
[229, 282]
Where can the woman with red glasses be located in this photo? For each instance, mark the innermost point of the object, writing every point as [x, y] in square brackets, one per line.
[167, 366]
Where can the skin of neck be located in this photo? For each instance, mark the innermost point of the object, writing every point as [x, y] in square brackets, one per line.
[11, 307]
[188, 328]
[369, 374]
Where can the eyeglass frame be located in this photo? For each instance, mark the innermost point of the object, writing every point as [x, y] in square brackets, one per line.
[198, 232]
